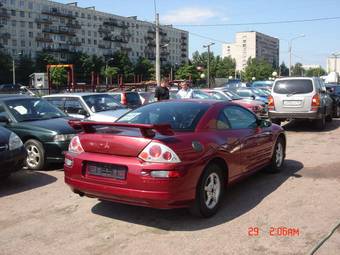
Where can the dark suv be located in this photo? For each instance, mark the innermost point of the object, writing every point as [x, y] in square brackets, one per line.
[334, 91]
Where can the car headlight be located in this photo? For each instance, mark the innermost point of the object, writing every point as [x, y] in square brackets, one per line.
[14, 142]
[63, 138]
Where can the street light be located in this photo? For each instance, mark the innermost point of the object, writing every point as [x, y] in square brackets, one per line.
[290, 51]
[208, 67]
[13, 67]
[106, 66]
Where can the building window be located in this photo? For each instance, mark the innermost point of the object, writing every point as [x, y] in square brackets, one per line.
[83, 40]
[30, 5]
[22, 14]
[30, 34]
[12, 2]
[22, 24]
[14, 23]
[13, 12]
[14, 42]
[22, 4]
[89, 33]
[39, 26]
[88, 41]
[95, 42]
[22, 43]
[30, 24]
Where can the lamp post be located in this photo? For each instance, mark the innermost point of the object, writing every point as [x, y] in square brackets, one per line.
[290, 51]
[13, 68]
[106, 66]
[208, 66]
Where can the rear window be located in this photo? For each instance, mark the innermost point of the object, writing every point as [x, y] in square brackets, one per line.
[133, 98]
[293, 87]
[182, 116]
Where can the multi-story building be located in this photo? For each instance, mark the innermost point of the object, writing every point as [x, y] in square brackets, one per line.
[252, 44]
[333, 64]
[33, 26]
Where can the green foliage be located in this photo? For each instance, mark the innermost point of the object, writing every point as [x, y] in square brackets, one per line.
[109, 72]
[42, 60]
[297, 70]
[315, 72]
[186, 71]
[5, 68]
[260, 69]
[24, 68]
[58, 76]
[284, 71]
[145, 68]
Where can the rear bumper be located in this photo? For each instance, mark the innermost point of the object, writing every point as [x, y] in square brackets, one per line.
[136, 189]
[11, 161]
[295, 115]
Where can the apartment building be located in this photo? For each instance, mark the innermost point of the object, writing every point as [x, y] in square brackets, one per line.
[32, 26]
[252, 44]
[333, 64]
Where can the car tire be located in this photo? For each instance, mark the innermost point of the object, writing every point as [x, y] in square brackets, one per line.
[321, 123]
[35, 155]
[329, 118]
[209, 192]
[278, 157]
[276, 121]
[337, 112]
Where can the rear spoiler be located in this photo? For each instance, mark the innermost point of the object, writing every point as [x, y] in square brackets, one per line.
[147, 130]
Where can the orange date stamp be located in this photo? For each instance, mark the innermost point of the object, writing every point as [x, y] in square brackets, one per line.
[275, 231]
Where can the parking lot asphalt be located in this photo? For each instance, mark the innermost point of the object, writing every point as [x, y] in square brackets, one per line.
[285, 213]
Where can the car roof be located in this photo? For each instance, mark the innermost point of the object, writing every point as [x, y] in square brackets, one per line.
[80, 94]
[295, 78]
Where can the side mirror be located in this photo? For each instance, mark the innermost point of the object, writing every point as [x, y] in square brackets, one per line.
[4, 119]
[253, 97]
[84, 113]
[263, 123]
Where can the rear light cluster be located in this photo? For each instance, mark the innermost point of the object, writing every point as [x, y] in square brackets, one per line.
[315, 102]
[158, 153]
[75, 146]
[271, 105]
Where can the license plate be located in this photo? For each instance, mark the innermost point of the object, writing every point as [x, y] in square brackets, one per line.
[292, 103]
[107, 170]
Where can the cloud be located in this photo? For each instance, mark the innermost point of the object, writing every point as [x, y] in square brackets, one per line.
[188, 15]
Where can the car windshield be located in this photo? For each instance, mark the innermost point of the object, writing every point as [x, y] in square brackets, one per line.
[182, 116]
[259, 92]
[32, 109]
[232, 95]
[302, 86]
[102, 102]
[198, 94]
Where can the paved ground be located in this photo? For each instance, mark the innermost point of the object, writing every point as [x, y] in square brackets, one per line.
[39, 214]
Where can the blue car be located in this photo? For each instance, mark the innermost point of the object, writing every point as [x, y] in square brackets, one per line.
[252, 93]
[262, 85]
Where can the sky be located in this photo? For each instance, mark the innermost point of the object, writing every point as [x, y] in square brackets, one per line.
[321, 38]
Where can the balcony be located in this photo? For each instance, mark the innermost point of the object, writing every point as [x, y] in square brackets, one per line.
[103, 46]
[60, 30]
[151, 31]
[110, 23]
[118, 39]
[149, 38]
[184, 55]
[60, 49]
[165, 53]
[104, 30]
[4, 14]
[151, 44]
[75, 25]
[43, 20]
[126, 49]
[125, 34]
[74, 43]
[54, 12]
[5, 36]
[43, 39]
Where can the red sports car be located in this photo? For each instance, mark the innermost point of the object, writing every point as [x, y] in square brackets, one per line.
[171, 154]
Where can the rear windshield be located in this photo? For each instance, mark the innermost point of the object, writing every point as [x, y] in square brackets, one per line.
[133, 98]
[293, 87]
[182, 116]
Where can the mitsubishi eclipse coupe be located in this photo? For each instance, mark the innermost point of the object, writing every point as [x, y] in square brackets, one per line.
[172, 154]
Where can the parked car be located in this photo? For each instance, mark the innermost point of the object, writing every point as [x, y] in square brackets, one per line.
[42, 127]
[262, 85]
[10, 88]
[334, 91]
[88, 106]
[258, 107]
[130, 99]
[251, 93]
[147, 97]
[171, 154]
[300, 98]
[196, 94]
[12, 153]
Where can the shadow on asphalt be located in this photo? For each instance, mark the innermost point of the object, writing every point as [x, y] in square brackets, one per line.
[309, 126]
[239, 199]
[23, 181]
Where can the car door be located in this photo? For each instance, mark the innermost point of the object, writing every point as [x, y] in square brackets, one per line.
[326, 98]
[74, 108]
[255, 142]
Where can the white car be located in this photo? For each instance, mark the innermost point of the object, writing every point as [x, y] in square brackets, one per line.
[89, 106]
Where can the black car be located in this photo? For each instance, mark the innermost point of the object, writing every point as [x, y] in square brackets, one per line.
[334, 91]
[42, 127]
[12, 153]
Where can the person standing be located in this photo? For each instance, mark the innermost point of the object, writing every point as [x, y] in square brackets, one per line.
[162, 91]
[185, 91]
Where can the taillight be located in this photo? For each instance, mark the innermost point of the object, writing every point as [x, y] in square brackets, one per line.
[315, 102]
[271, 105]
[124, 99]
[159, 153]
[75, 146]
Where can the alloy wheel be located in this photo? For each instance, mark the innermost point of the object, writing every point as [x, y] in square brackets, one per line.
[33, 156]
[212, 190]
[279, 155]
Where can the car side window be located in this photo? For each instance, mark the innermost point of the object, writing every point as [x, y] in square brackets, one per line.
[73, 106]
[3, 111]
[240, 118]
[222, 121]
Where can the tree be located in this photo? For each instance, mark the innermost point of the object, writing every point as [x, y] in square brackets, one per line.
[24, 68]
[144, 68]
[109, 72]
[42, 60]
[58, 76]
[225, 67]
[284, 71]
[124, 65]
[297, 70]
[5, 68]
[186, 71]
[315, 72]
[258, 68]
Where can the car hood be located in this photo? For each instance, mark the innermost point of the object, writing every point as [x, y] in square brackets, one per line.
[59, 126]
[108, 115]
